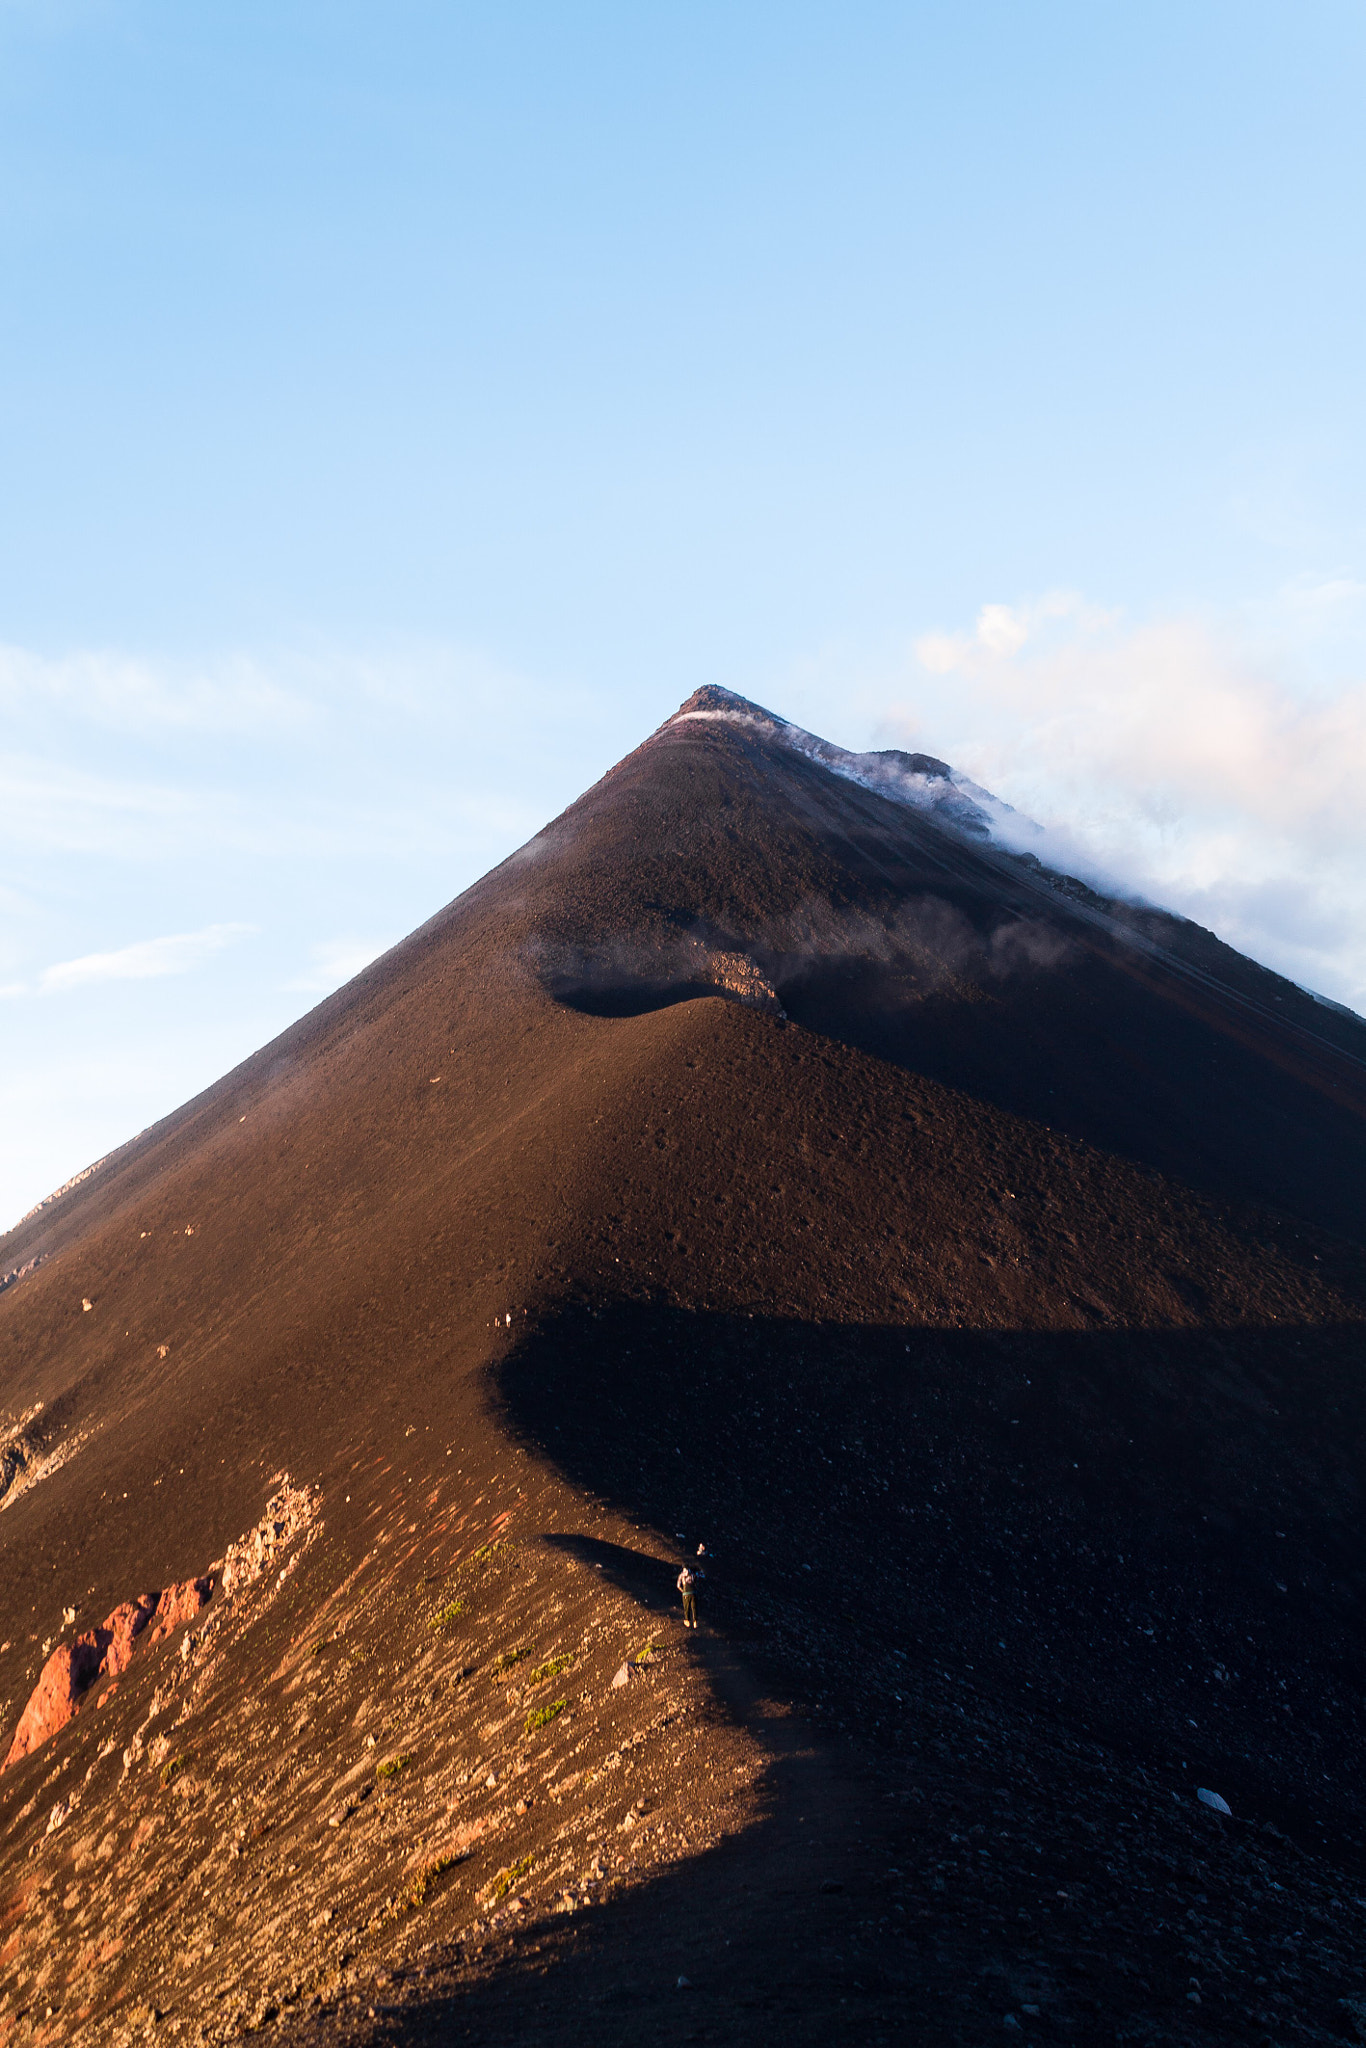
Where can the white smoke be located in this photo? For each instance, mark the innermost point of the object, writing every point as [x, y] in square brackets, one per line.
[1168, 759]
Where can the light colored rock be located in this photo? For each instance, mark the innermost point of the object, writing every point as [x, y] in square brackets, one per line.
[1208, 1798]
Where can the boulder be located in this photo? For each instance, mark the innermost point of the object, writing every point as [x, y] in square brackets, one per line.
[55, 1698]
[123, 1627]
[178, 1604]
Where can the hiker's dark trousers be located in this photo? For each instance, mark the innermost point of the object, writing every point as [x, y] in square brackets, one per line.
[690, 1610]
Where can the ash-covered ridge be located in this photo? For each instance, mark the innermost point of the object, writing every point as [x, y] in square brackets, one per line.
[920, 780]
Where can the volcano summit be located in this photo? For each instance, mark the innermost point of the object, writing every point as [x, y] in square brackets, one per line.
[772, 1154]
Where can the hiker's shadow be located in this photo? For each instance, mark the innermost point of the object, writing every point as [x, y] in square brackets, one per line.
[650, 1581]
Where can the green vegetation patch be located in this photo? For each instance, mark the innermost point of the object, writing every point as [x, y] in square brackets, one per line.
[391, 1767]
[541, 1717]
[427, 1876]
[552, 1668]
[172, 1769]
[507, 1660]
[416, 1895]
[456, 1585]
[506, 1879]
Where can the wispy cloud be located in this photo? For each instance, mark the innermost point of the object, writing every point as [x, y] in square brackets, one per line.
[177, 953]
[1175, 760]
[127, 693]
[334, 961]
[57, 807]
[300, 756]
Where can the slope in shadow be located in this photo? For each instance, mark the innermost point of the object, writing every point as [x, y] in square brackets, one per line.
[1107, 1049]
[648, 1580]
[1154, 1534]
[1010, 1574]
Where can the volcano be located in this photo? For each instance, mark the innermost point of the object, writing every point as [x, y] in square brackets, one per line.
[774, 1155]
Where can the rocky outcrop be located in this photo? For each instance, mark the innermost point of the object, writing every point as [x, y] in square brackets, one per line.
[288, 1511]
[107, 1651]
[65, 1677]
[21, 1272]
[178, 1604]
[29, 1453]
[125, 1625]
[734, 974]
[20, 1447]
[103, 1652]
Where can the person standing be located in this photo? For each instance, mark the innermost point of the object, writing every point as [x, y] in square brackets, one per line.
[687, 1586]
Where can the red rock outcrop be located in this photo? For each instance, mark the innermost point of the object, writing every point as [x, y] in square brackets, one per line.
[105, 1651]
[55, 1698]
[125, 1625]
[180, 1603]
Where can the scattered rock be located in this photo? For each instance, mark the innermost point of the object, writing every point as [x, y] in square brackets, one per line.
[1208, 1798]
[1355, 2009]
[288, 1512]
[21, 1272]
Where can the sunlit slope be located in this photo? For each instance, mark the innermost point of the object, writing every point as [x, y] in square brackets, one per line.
[456, 1136]
[736, 1046]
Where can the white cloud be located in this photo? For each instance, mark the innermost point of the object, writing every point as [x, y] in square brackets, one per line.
[177, 953]
[334, 961]
[127, 693]
[1174, 760]
[1324, 597]
[49, 807]
[411, 752]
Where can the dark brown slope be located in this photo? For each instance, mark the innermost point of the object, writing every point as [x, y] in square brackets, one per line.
[528, 1227]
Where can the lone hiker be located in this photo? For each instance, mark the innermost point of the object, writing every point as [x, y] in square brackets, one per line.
[687, 1586]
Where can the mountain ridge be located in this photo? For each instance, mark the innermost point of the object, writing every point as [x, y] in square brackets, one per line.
[695, 1177]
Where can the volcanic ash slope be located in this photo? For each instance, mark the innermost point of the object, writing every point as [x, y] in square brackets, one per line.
[766, 1155]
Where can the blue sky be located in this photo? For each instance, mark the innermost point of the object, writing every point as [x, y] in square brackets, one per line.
[403, 408]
